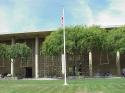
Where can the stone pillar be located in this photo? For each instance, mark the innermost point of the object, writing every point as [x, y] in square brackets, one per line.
[90, 64]
[12, 60]
[118, 63]
[36, 57]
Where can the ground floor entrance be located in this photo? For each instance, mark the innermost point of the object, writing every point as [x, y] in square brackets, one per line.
[28, 72]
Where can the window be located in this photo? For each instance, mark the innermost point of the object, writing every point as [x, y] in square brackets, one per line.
[104, 58]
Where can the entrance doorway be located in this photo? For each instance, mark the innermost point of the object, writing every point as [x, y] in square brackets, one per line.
[28, 72]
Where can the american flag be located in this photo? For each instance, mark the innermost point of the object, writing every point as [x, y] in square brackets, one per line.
[62, 18]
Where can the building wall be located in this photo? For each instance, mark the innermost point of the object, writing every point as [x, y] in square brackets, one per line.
[4, 66]
[77, 65]
[50, 66]
[103, 63]
[122, 61]
[4, 63]
[21, 65]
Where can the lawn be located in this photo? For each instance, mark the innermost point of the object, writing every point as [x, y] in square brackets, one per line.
[56, 86]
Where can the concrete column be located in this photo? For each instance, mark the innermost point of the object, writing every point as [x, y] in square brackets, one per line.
[118, 63]
[36, 57]
[12, 60]
[90, 64]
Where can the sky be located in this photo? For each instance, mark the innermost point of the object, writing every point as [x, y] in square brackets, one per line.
[40, 15]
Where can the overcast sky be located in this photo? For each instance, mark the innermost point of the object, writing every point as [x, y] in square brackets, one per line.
[31, 15]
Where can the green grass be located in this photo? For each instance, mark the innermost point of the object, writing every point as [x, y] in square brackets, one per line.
[56, 86]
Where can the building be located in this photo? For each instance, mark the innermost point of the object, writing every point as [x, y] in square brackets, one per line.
[31, 67]
[50, 66]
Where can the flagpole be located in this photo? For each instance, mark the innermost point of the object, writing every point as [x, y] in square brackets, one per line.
[64, 39]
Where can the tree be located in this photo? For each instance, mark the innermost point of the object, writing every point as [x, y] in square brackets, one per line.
[53, 44]
[116, 40]
[14, 51]
[92, 38]
[18, 50]
[11, 52]
[3, 51]
[116, 44]
[78, 40]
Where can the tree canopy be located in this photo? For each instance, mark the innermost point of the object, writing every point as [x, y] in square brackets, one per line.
[14, 51]
[82, 38]
[116, 39]
[78, 40]
[3, 50]
[19, 50]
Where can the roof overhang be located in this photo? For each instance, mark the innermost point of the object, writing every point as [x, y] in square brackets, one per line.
[24, 35]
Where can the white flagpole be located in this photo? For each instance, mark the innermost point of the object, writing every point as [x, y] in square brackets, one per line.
[65, 81]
